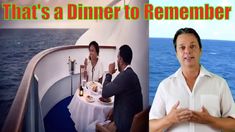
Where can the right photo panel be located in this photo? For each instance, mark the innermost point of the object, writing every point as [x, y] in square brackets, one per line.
[191, 66]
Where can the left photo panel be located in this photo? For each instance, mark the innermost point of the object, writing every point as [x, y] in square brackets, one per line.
[73, 66]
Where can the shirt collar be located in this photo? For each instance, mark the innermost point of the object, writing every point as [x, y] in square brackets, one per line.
[203, 72]
[127, 67]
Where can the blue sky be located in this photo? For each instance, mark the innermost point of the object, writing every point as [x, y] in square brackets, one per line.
[214, 29]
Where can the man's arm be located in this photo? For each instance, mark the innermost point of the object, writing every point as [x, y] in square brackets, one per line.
[176, 115]
[204, 117]
[158, 125]
[223, 123]
[117, 85]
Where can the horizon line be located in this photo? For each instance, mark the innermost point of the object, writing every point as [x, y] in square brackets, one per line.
[201, 39]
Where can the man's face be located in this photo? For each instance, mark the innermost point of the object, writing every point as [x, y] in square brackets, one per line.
[188, 51]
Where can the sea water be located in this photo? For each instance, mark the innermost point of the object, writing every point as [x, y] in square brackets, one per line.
[217, 57]
[17, 47]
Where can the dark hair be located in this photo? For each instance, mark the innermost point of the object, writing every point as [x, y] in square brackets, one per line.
[95, 44]
[126, 53]
[186, 30]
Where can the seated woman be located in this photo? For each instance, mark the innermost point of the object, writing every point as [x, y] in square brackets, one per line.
[93, 65]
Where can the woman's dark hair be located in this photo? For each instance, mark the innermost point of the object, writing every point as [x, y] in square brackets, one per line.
[95, 44]
[126, 53]
[186, 30]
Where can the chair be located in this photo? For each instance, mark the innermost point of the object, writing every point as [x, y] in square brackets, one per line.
[139, 123]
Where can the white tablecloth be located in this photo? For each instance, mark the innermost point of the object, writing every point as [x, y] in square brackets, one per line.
[85, 115]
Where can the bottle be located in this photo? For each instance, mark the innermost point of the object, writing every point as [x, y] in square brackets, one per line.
[72, 65]
[69, 59]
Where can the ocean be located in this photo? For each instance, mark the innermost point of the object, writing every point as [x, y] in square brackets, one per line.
[217, 56]
[17, 47]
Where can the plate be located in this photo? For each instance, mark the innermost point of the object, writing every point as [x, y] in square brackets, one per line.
[105, 101]
[90, 99]
[94, 87]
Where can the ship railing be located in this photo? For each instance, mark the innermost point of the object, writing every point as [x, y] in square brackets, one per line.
[26, 112]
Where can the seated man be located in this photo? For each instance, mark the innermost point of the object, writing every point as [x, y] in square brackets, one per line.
[126, 89]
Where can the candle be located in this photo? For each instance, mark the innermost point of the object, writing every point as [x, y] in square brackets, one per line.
[81, 91]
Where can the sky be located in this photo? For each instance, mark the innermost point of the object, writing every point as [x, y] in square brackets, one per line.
[213, 29]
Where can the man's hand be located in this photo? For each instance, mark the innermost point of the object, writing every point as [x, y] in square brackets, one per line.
[112, 69]
[178, 115]
[202, 117]
[110, 115]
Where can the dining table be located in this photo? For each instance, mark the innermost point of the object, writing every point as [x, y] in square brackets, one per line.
[87, 110]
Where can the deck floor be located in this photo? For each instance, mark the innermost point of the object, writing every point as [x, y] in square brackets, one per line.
[58, 118]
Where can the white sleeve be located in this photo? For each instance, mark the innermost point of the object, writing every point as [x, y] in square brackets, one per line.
[158, 108]
[227, 103]
[101, 70]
